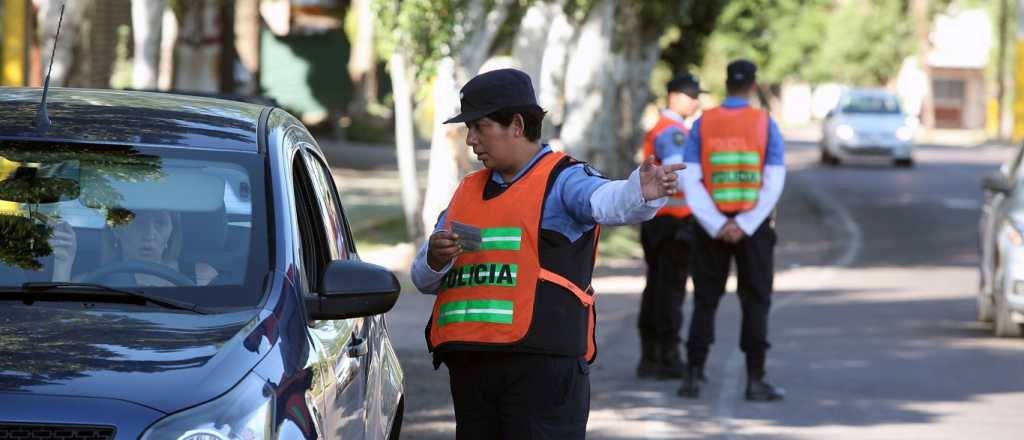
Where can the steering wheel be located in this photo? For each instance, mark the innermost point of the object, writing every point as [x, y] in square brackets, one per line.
[144, 267]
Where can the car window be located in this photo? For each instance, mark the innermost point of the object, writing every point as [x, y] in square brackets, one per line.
[330, 208]
[126, 216]
[313, 242]
[870, 103]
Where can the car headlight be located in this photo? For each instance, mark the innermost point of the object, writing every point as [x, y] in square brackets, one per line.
[1013, 232]
[905, 134]
[244, 413]
[845, 132]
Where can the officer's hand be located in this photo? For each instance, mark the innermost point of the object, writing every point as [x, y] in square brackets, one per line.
[441, 248]
[658, 181]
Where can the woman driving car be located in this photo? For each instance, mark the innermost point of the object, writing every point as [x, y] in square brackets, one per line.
[150, 242]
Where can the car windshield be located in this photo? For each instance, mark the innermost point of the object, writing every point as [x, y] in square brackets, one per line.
[184, 224]
[870, 103]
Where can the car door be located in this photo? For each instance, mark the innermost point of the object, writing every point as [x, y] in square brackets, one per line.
[990, 217]
[346, 345]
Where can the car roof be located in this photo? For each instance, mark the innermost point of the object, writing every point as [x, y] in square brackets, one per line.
[869, 92]
[131, 118]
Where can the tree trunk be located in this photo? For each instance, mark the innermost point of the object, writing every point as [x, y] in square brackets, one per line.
[404, 143]
[608, 90]
[589, 131]
[63, 59]
[549, 79]
[198, 48]
[636, 61]
[443, 173]
[147, 18]
[448, 161]
[362, 66]
[247, 44]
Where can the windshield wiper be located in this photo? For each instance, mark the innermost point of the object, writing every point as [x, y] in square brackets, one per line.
[89, 288]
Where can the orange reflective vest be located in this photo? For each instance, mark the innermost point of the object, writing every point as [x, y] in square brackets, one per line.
[515, 293]
[676, 206]
[733, 144]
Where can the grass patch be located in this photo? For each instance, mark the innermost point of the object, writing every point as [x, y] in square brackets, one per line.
[384, 233]
[620, 242]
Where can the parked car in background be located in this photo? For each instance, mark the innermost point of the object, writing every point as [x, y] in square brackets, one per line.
[179, 267]
[1001, 240]
[867, 122]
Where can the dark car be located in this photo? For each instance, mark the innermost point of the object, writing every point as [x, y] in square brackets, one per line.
[179, 267]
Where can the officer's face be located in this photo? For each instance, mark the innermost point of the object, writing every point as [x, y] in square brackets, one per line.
[682, 104]
[490, 142]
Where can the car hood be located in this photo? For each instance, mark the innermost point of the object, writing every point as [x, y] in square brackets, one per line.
[178, 359]
[874, 122]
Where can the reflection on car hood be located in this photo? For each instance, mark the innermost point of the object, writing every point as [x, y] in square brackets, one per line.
[874, 122]
[159, 359]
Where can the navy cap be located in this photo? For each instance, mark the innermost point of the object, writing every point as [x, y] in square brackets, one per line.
[740, 73]
[687, 84]
[491, 91]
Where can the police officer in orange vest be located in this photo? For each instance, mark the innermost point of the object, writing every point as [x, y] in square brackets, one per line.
[735, 175]
[666, 241]
[511, 260]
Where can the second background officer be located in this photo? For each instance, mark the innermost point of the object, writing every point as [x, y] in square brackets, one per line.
[666, 241]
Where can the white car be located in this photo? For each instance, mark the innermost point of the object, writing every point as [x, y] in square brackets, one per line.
[868, 122]
[1001, 240]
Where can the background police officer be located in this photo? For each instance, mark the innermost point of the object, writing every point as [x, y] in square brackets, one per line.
[665, 240]
[511, 261]
[736, 174]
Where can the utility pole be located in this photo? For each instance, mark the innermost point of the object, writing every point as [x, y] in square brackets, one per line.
[1001, 70]
[1018, 95]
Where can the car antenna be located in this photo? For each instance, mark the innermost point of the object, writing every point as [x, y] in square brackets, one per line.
[42, 121]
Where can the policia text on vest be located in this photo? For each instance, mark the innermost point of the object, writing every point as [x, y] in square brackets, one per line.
[514, 318]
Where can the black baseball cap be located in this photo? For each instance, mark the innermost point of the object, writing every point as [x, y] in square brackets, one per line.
[740, 73]
[491, 91]
[685, 83]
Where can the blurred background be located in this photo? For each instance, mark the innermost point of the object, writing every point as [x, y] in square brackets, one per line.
[387, 71]
[882, 324]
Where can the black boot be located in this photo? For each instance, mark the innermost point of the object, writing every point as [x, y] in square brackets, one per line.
[758, 390]
[690, 387]
[650, 359]
[672, 365]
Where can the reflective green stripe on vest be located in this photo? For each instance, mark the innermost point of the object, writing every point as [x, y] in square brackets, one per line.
[735, 158]
[735, 176]
[734, 195]
[507, 239]
[483, 274]
[481, 310]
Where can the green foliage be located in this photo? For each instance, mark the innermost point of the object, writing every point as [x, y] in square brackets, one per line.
[865, 43]
[620, 242]
[424, 29]
[23, 241]
[855, 42]
[684, 41]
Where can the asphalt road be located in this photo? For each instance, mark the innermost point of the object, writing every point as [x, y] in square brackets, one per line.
[873, 322]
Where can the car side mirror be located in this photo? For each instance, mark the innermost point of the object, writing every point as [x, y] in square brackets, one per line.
[350, 289]
[996, 182]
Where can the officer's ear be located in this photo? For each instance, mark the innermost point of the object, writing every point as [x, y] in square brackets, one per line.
[518, 125]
